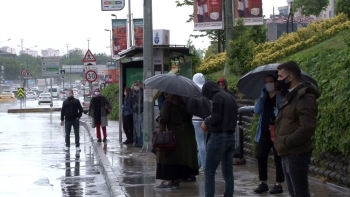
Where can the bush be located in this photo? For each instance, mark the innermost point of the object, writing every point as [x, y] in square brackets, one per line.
[111, 92]
[213, 63]
[240, 55]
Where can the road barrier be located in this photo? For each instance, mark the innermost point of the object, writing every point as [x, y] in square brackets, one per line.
[33, 110]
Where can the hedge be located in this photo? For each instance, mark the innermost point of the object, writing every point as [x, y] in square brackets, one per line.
[111, 92]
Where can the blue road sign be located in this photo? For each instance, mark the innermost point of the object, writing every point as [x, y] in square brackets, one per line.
[62, 72]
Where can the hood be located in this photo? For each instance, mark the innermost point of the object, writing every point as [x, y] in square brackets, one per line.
[210, 88]
[223, 80]
[199, 79]
[309, 88]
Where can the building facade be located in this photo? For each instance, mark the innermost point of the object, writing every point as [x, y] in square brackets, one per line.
[8, 49]
[50, 52]
[29, 52]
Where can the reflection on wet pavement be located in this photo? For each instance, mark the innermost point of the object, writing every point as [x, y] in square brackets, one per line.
[34, 163]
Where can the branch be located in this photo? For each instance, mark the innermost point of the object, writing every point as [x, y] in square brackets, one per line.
[184, 3]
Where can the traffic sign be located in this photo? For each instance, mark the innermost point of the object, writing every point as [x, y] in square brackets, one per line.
[25, 73]
[89, 57]
[91, 75]
[62, 72]
[83, 82]
[20, 92]
[50, 66]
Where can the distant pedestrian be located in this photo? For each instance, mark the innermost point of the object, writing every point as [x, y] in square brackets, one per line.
[221, 144]
[223, 85]
[128, 125]
[71, 112]
[295, 125]
[98, 110]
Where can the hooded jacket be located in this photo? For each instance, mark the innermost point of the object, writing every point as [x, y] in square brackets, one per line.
[296, 120]
[199, 79]
[224, 109]
[199, 107]
[223, 80]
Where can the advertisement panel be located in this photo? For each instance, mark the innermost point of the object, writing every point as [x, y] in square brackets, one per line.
[112, 75]
[208, 14]
[119, 36]
[138, 32]
[249, 10]
[115, 5]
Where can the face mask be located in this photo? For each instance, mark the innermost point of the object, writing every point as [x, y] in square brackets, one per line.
[136, 88]
[270, 87]
[97, 93]
[125, 93]
[283, 84]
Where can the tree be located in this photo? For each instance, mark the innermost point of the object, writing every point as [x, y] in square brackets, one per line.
[12, 68]
[196, 60]
[310, 7]
[343, 6]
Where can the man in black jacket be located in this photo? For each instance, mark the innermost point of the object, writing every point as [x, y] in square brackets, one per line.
[221, 126]
[71, 113]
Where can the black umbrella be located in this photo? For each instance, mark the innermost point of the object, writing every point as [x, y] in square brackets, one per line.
[251, 83]
[174, 84]
[198, 106]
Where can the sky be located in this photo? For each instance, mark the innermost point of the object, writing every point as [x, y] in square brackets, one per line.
[53, 24]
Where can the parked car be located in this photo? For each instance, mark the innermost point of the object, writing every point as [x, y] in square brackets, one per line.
[31, 95]
[8, 97]
[86, 103]
[44, 98]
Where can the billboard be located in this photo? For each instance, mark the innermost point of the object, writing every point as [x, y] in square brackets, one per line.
[208, 14]
[138, 32]
[119, 36]
[116, 5]
[249, 10]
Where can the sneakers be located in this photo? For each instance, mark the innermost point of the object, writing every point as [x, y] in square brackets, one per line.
[261, 188]
[78, 149]
[175, 184]
[99, 140]
[104, 140]
[276, 189]
[163, 186]
[66, 148]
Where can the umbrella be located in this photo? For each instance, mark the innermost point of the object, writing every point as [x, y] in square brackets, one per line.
[174, 84]
[157, 93]
[197, 106]
[251, 83]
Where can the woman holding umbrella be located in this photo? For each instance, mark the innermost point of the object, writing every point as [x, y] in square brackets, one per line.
[267, 107]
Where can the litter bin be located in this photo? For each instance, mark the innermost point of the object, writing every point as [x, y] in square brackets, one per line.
[239, 153]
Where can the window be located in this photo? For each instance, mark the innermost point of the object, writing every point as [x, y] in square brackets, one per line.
[53, 90]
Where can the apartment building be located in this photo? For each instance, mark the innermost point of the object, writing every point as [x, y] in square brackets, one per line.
[8, 49]
[50, 52]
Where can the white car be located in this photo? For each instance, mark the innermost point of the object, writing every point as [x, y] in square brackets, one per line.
[31, 95]
[44, 98]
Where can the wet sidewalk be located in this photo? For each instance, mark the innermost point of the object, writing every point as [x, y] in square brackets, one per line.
[34, 163]
[131, 173]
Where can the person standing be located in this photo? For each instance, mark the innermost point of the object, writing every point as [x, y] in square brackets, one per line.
[137, 109]
[295, 125]
[71, 112]
[128, 125]
[221, 144]
[98, 110]
[267, 107]
[223, 85]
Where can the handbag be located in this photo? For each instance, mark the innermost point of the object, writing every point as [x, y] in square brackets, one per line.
[272, 128]
[163, 140]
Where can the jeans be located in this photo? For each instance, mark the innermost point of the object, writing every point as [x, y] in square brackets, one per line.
[220, 147]
[201, 140]
[67, 127]
[296, 171]
[138, 127]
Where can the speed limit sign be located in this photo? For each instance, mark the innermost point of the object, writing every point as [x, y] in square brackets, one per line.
[91, 76]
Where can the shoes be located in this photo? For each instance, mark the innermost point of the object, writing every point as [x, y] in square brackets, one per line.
[261, 188]
[127, 142]
[276, 189]
[189, 179]
[104, 140]
[175, 184]
[140, 146]
[201, 170]
[163, 186]
[66, 148]
[78, 149]
[99, 140]
[136, 145]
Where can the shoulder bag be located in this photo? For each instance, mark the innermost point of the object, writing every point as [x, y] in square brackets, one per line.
[163, 140]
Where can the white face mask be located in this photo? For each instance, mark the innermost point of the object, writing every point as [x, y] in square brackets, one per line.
[270, 87]
[97, 93]
[125, 93]
[136, 88]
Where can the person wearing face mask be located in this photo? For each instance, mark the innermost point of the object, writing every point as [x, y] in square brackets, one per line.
[71, 112]
[98, 110]
[137, 109]
[295, 125]
[128, 125]
[267, 107]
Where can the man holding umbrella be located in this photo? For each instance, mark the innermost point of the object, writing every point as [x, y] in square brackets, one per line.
[295, 126]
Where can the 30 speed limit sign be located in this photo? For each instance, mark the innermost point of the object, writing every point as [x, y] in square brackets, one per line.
[91, 76]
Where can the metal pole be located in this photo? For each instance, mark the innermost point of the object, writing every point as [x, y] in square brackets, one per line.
[148, 71]
[51, 104]
[229, 19]
[120, 99]
[129, 16]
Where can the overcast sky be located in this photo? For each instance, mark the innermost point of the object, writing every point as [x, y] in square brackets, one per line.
[53, 24]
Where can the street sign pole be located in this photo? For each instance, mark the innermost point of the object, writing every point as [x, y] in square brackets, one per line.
[51, 104]
[148, 71]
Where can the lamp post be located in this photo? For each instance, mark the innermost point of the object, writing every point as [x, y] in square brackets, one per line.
[110, 43]
[114, 16]
[70, 69]
[88, 40]
[5, 40]
[26, 81]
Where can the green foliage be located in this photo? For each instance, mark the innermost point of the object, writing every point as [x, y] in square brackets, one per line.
[12, 68]
[231, 79]
[310, 7]
[111, 92]
[343, 6]
[196, 60]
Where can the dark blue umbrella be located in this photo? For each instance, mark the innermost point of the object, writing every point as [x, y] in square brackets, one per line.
[251, 83]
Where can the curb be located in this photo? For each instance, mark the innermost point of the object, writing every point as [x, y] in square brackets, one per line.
[106, 167]
[33, 110]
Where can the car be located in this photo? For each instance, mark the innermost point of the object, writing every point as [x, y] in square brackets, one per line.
[44, 98]
[86, 103]
[34, 88]
[31, 95]
[8, 97]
